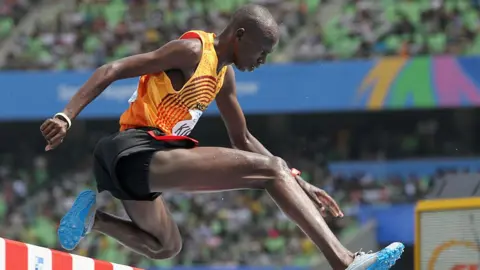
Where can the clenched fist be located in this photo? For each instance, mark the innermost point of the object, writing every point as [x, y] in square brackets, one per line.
[54, 130]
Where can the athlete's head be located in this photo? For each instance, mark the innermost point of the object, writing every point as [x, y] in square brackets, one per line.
[255, 34]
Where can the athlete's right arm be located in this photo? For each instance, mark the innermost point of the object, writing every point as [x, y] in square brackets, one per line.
[177, 54]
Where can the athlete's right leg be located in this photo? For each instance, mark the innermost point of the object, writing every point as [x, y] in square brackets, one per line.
[218, 169]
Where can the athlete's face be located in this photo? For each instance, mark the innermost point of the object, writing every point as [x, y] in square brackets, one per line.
[252, 49]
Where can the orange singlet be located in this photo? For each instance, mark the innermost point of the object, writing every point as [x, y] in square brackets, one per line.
[156, 104]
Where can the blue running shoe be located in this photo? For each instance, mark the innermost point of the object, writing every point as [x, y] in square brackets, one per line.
[382, 260]
[78, 221]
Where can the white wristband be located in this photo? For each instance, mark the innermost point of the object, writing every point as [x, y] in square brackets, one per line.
[64, 117]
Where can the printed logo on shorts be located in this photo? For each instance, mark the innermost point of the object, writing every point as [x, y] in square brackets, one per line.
[185, 127]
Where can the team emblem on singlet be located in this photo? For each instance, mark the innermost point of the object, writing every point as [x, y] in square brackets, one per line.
[183, 128]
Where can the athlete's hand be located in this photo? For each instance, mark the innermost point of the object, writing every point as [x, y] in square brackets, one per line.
[321, 199]
[53, 130]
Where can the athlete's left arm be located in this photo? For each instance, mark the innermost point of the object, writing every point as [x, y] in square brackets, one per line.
[234, 118]
[242, 139]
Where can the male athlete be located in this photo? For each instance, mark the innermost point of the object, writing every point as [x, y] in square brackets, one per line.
[151, 153]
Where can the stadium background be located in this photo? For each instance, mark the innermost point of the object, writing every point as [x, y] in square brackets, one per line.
[374, 100]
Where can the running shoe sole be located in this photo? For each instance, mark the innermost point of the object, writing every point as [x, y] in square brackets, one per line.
[72, 226]
[387, 257]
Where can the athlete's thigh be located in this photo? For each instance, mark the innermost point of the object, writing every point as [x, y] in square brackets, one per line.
[153, 217]
[210, 169]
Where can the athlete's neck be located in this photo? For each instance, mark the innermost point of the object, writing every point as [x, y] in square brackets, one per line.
[224, 50]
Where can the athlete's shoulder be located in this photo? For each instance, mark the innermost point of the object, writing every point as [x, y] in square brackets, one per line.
[198, 34]
[184, 51]
[192, 47]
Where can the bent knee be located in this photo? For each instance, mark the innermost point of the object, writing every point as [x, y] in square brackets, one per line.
[173, 247]
[279, 168]
[166, 250]
[171, 244]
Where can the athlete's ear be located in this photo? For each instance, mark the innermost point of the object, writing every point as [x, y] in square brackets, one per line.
[239, 33]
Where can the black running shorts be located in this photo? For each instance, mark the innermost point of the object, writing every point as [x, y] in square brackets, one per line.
[122, 160]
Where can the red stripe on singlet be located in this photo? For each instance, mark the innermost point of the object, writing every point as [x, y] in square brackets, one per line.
[204, 77]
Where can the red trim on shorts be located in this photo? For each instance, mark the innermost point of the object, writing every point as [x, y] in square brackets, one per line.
[167, 138]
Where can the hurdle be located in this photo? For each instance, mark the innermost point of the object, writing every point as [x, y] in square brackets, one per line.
[21, 256]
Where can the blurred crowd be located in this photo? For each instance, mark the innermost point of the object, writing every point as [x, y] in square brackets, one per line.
[38, 188]
[98, 31]
[370, 28]
[93, 32]
[11, 12]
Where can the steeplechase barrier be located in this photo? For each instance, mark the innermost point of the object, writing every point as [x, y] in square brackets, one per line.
[20, 256]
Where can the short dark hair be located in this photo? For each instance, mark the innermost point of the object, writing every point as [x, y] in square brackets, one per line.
[254, 17]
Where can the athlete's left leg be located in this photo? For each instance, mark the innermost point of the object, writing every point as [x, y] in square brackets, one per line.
[150, 232]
